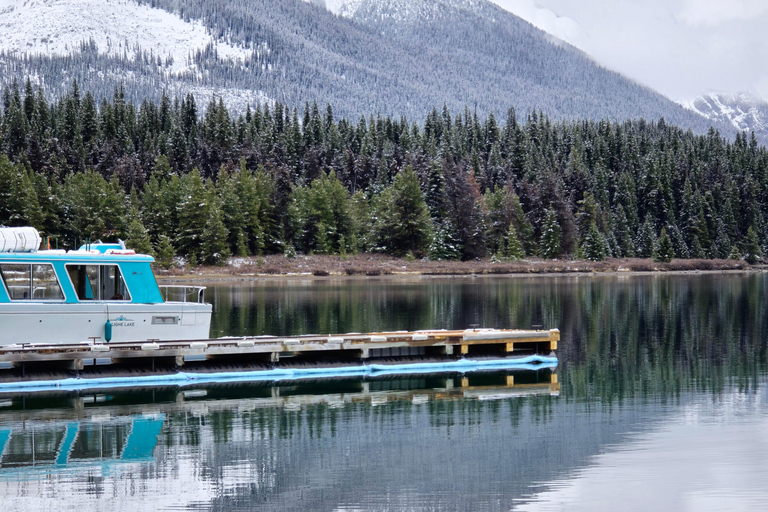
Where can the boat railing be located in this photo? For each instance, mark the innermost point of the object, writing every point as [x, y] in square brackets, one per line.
[182, 293]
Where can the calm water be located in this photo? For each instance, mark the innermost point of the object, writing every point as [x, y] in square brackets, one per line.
[659, 403]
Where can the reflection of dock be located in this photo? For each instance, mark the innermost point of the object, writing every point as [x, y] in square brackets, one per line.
[271, 349]
[162, 401]
[54, 433]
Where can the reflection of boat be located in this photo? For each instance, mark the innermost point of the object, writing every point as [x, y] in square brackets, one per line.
[103, 433]
[100, 291]
[57, 445]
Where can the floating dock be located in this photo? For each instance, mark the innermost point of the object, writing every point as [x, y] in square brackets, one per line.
[273, 349]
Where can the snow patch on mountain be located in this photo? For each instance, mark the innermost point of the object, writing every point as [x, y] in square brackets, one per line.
[401, 11]
[117, 27]
[744, 111]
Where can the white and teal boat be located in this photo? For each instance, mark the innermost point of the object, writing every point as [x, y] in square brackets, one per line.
[98, 293]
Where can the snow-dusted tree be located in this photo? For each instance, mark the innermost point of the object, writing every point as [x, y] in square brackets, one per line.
[664, 251]
[752, 251]
[513, 248]
[215, 246]
[403, 221]
[445, 244]
[593, 244]
[550, 243]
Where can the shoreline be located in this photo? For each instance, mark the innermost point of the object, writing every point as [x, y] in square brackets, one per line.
[277, 267]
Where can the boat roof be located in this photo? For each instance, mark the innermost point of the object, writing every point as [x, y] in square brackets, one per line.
[79, 256]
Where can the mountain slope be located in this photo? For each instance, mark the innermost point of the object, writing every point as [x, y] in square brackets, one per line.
[115, 28]
[400, 57]
[744, 112]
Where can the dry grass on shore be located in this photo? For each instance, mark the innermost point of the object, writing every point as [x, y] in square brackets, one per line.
[377, 265]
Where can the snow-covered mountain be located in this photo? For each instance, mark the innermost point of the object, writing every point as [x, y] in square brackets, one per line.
[398, 57]
[120, 31]
[745, 112]
[113, 27]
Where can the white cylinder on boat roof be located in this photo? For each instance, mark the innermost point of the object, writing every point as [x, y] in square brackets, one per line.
[25, 239]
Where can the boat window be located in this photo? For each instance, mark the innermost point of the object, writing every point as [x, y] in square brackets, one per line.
[98, 282]
[27, 281]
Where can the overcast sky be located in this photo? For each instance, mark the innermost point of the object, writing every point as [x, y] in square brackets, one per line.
[681, 48]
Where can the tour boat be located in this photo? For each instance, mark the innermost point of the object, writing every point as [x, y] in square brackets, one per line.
[98, 293]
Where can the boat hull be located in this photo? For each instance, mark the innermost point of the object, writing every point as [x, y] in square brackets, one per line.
[53, 323]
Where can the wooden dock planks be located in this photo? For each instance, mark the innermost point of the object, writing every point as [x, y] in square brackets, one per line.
[271, 348]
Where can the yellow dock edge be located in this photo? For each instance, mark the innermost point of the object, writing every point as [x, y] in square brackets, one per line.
[272, 348]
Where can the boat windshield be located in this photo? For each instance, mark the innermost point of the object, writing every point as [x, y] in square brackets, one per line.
[98, 282]
[31, 281]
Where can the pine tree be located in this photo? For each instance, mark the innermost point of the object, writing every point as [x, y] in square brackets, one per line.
[136, 235]
[215, 246]
[664, 252]
[523, 226]
[445, 245]
[593, 246]
[549, 243]
[624, 242]
[752, 251]
[193, 214]
[404, 223]
[646, 238]
[165, 251]
[513, 248]
[320, 214]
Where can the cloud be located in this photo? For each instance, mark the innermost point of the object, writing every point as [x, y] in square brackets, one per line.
[543, 18]
[711, 13]
[681, 48]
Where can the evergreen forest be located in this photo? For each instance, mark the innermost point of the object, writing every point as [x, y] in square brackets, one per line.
[174, 178]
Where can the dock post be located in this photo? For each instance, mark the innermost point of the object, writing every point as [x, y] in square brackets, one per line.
[554, 337]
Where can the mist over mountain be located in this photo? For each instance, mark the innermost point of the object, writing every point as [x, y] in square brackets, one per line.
[394, 57]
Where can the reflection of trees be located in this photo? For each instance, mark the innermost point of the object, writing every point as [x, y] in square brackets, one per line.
[655, 336]
[622, 336]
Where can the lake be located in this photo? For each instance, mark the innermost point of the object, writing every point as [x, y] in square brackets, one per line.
[658, 403]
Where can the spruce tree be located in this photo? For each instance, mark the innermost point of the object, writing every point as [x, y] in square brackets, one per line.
[404, 223]
[193, 214]
[136, 235]
[165, 252]
[646, 238]
[215, 246]
[445, 245]
[593, 245]
[664, 252]
[752, 251]
[550, 241]
[523, 226]
[513, 248]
